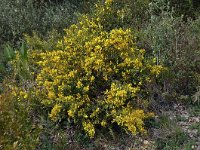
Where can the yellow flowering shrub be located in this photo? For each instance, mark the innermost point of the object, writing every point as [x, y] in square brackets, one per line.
[94, 77]
[17, 127]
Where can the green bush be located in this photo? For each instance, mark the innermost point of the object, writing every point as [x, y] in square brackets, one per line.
[22, 16]
[187, 8]
[174, 43]
[122, 14]
[37, 41]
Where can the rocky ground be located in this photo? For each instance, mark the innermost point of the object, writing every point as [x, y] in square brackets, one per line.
[177, 129]
[179, 123]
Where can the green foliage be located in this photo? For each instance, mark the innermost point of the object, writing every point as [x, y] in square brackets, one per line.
[38, 42]
[175, 140]
[195, 110]
[84, 6]
[174, 43]
[188, 8]
[135, 12]
[121, 13]
[185, 8]
[196, 96]
[171, 136]
[22, 16]
[18, 61]
[9, 52]
[17, 127]
[196, 126]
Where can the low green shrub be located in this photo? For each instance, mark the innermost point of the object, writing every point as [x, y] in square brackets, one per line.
[175, 140]
[175, 44]
[122, 14]
[187, 8]
[37, 41]
[22, 16]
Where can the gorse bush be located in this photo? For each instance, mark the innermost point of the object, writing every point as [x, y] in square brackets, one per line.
[94, 77]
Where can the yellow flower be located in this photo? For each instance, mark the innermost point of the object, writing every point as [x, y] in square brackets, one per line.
[86, 89]
[92, 78]
[70, 113]
[25, 96]
[51, 95]
[55, 111]
[157, 69]
[79, 84]
[103, 123]
[89, 128]
[108, 1]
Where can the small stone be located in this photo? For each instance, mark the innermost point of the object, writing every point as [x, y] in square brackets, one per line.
[146, 142]
[195, 131]
[193, 146]
[196, 119]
